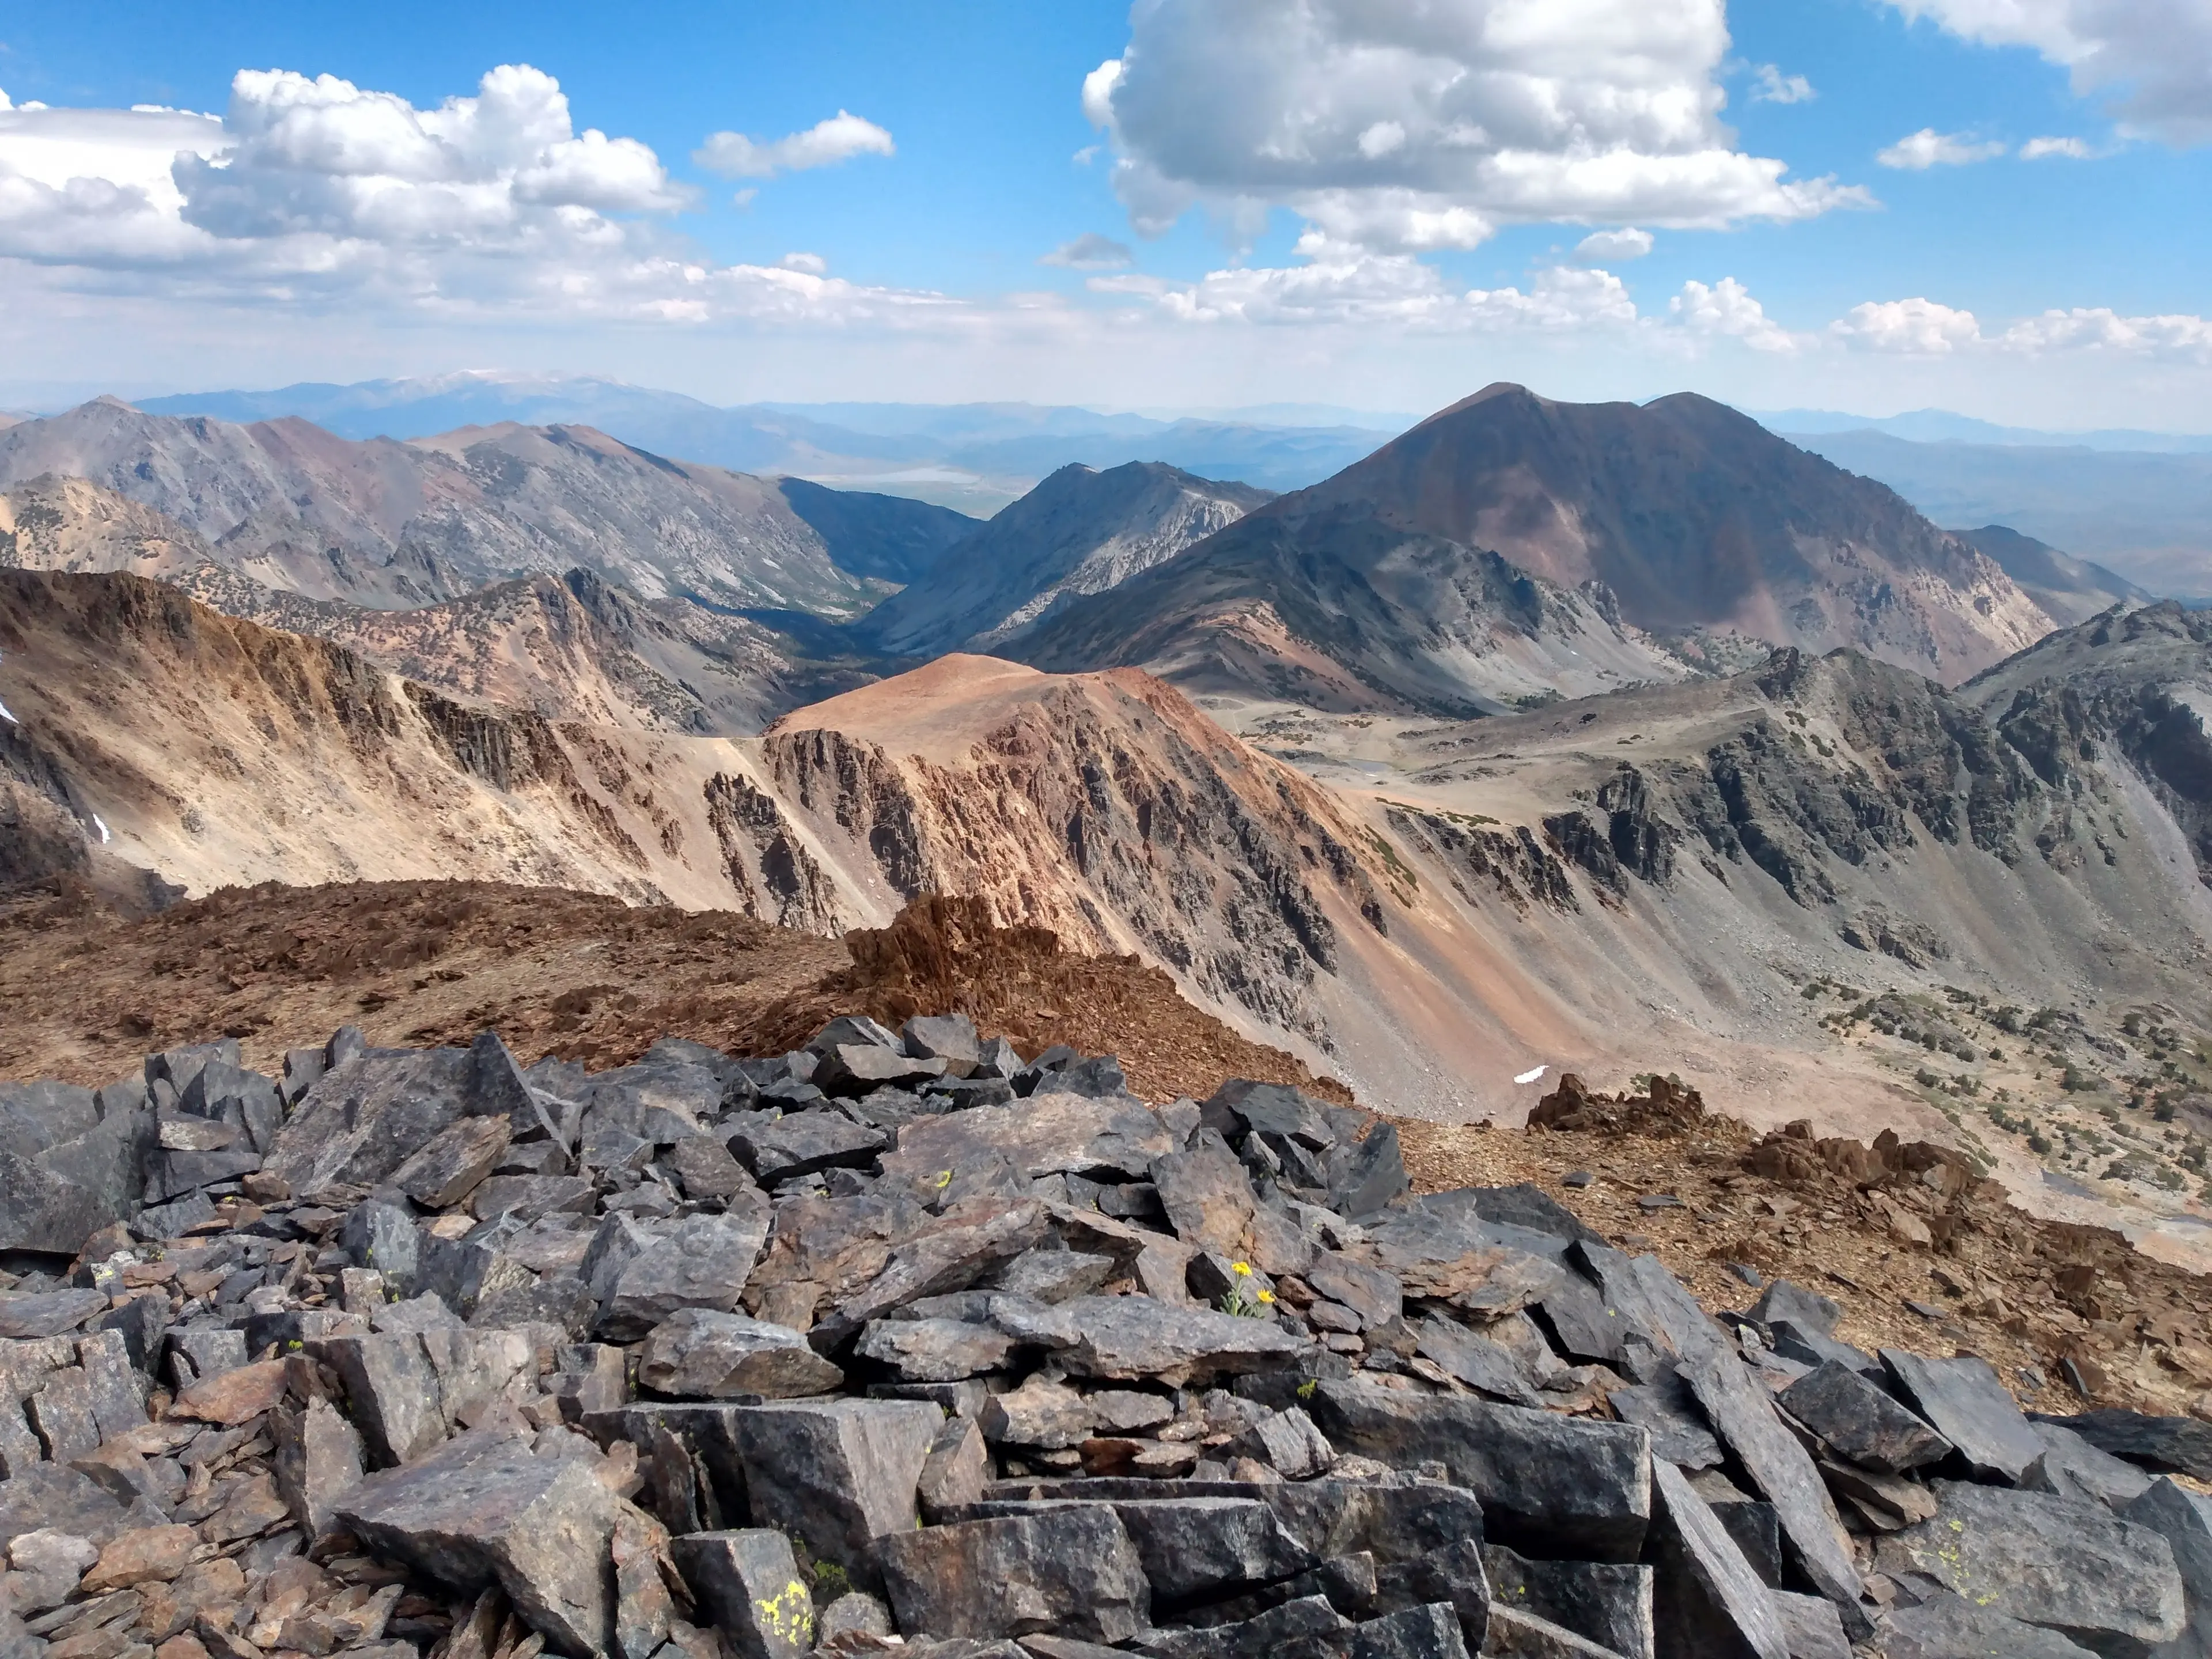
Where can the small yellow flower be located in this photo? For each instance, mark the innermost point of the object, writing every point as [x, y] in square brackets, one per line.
[1267, 1296]
[1242, 1269]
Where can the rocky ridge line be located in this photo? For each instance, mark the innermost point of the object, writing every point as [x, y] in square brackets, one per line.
[898, 1341]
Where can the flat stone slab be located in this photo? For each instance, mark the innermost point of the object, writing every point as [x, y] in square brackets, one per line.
[1052, 1134]
[704, 1354]
[1072, 1570]
[1123, 1338]
[2165, 1445]
[1565, 1485]
[1965, 1402]
[1862, 1422]
[2066, 1565]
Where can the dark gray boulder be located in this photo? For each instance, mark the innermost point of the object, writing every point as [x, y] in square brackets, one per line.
[2071, 1467]
[705, 1354]
[486, 1509]
[1560, 1486]
[1608, 1603]
[781, 1148]
[1072, 1570]
[2165, 1445]
[1862, 1422]
[835, 1473]
[748, 1584]
[2067, 1565]
[1964, 1402]
[1116, 1138]
[1948, 1626]
[1709, 1603]
[2184, 1519]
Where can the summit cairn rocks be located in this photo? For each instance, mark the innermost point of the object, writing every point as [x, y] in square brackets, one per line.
[907, 1335]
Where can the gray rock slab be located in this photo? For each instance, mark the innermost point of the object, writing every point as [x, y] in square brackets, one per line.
[1432, 1630]
[486, 1509]
[1040, 1413]
[688, 1261]
[1608, 1603]
[1814, 1629]
[1515, 1633]
[1487, 1367]
[1052, 1134]
[703, 1353]
[1371, 1292]
[1948, 1626]
[1862, 1422]
[2165, 1445]
[318, 1458]
[1124, 1337]
[47, 1313]
[1964, 1402]
[1554, 1485]
[453, 1163]
[1071, 1570]
[858, 1068]
[2071, 1467]
[1052, 1275]
[935, 1350]
[1669, 1411]
[835, 1473]
[1208, 1548]
[928, 1255]
[392, 1392]
[2067, 1565]
[57, 1498]
[949, 1038]
[953, 1474]
[2184, 1519]
[1808, 1309]
[779, 1149]
[749, 1586]
[1708, 1600]
[367, 1114]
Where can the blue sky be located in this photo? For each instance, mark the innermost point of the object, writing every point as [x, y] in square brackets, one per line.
[1371, 203]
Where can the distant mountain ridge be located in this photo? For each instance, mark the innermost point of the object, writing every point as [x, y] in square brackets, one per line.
[974, 455]
[387, 524]
[2147, 516]
[1081, 531]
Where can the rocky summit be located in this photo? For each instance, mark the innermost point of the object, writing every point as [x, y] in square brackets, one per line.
[903, 1342]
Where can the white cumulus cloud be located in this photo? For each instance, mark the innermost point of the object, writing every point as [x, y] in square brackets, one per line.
[1769, 85]
[1919, 328]
[2152, 59]
[1923, 327]
[1917, 152]
[1406, 125]
[1726, 310]
[1605, 247]
[318, 192]
[2038, 149]
[839, 138]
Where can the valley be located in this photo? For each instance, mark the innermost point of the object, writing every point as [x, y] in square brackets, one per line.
[1447, 768]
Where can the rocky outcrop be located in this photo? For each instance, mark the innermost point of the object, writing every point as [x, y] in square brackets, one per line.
[1106, 808]
[1200, 1377]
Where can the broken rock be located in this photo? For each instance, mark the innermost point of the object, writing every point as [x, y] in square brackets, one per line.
[703, 1353]
[1072, 1571]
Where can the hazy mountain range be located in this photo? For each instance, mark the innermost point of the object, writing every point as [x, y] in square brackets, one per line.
[976, 456]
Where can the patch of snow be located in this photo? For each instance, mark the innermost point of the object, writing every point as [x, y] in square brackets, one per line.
[1530, 1076]
[99, 825]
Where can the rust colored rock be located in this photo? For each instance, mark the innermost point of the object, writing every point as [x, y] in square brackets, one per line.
[232, 1396]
